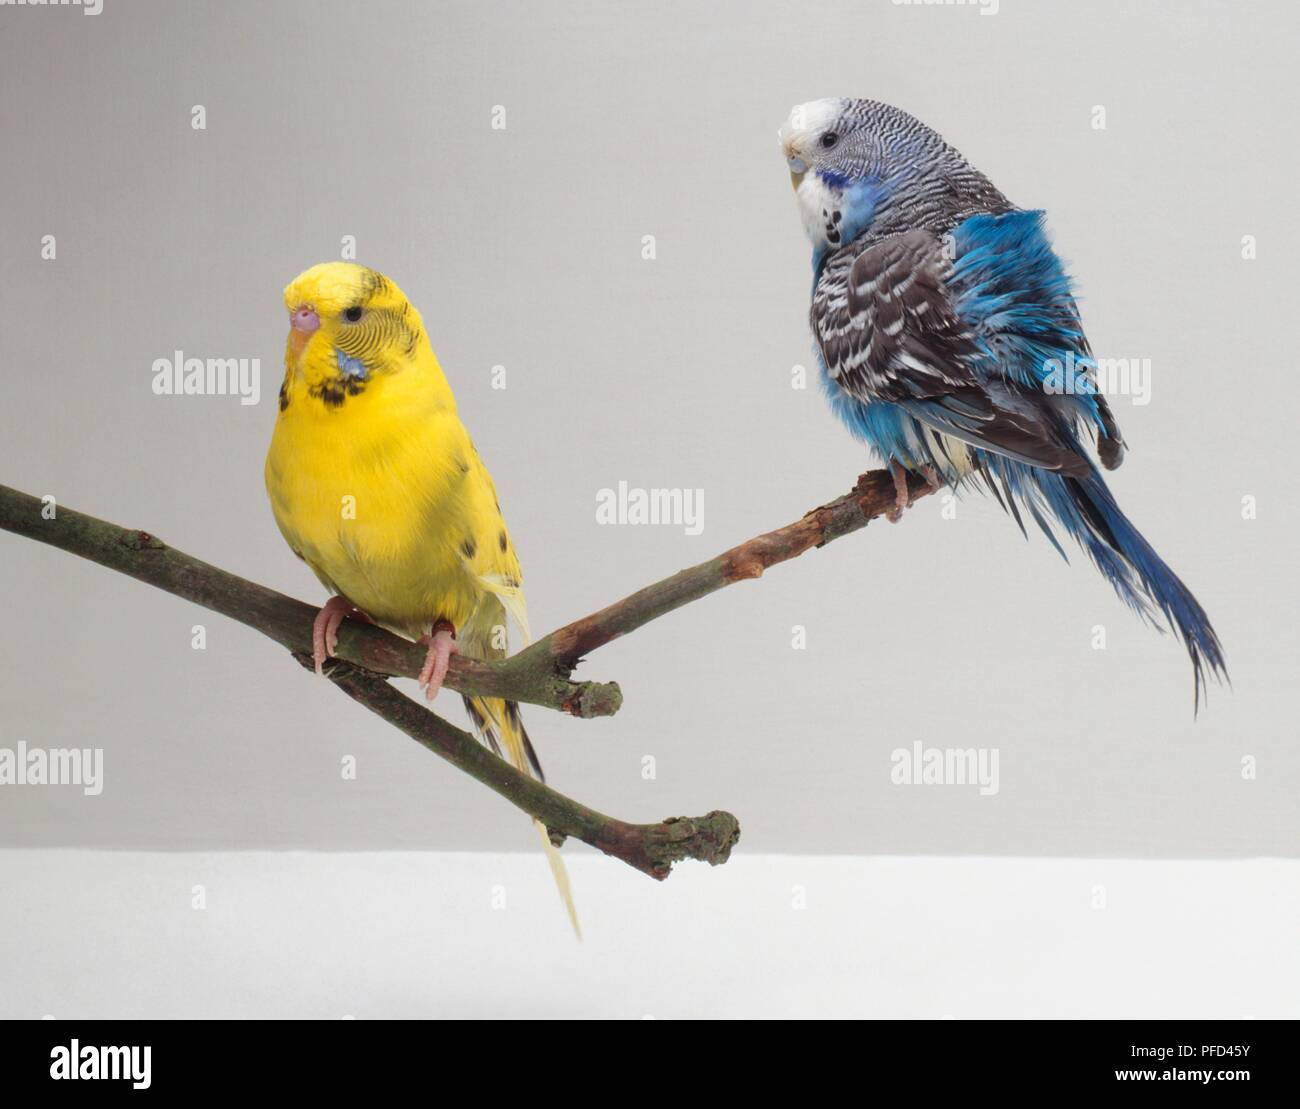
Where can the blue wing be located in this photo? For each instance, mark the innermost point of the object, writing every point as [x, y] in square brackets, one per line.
[975, 335]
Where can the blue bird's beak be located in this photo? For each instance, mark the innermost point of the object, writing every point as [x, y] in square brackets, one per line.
[797, 166]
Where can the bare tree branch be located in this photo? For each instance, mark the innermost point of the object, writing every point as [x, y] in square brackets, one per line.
[146, 558]
[540, 674]
[872, 496]
[651, 848]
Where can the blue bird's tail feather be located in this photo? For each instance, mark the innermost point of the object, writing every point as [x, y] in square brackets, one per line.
[1084, 506]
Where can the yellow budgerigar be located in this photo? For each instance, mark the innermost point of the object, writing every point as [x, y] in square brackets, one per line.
[376, 485]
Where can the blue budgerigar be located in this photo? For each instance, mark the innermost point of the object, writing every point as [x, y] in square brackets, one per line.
[950, 342]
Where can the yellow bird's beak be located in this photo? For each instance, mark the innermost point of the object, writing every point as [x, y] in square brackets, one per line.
[303, 324]
[297, 344]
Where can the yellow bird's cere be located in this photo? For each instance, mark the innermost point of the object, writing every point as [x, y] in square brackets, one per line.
[376, 485]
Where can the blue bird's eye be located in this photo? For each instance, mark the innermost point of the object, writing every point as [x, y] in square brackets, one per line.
[353, 314]
[830, 139]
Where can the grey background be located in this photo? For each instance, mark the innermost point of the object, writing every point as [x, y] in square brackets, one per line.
[523, 248]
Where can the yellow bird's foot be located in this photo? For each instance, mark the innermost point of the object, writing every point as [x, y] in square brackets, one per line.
[442, 645]
[325, 628]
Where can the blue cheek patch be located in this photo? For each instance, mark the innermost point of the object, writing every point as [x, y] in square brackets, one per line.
[860, 201]
[349, 366]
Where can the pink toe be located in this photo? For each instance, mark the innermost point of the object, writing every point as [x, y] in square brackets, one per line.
[442, 645]
[318, 641]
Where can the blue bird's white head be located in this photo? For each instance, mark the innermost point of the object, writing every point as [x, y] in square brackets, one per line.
[856, 164]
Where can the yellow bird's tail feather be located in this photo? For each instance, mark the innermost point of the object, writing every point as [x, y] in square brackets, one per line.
[499, 723]
[560, 873]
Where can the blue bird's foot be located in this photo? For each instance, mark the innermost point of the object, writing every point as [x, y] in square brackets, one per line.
[902, 495]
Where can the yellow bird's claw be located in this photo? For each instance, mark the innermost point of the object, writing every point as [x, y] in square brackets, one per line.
[325, 628]
[442, 645]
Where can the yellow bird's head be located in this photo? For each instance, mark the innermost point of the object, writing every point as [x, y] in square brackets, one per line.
[348, 326]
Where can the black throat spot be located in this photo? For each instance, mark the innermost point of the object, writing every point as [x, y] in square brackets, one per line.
[335, 390]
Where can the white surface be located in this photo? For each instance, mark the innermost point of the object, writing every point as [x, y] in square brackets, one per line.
[99, 934]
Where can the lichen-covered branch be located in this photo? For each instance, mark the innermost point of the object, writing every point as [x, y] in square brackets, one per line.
[872, 496]
[146, 558]
[539, 674]
[363, 650]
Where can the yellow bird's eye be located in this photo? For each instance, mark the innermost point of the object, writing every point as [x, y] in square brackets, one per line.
[353, 314]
